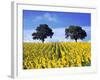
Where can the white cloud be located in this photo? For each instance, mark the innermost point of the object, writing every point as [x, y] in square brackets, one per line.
[46, 16]
[49, 17]
[27, 35]
[89, 40]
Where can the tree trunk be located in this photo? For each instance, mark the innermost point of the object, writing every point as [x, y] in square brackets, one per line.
[75, 40]
[42, 40]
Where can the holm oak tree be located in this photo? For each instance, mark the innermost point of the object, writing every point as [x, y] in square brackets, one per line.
[75, 32]
[42, 32]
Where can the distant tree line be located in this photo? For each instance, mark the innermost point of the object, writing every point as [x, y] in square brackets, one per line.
[74, 32]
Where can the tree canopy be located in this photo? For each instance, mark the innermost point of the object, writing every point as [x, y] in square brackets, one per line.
[42, 32]
[75, 32]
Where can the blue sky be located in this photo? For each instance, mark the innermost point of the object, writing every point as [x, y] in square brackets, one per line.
[58, 21]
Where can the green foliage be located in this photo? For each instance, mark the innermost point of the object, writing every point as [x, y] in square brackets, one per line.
[42, 32]
[75, 32]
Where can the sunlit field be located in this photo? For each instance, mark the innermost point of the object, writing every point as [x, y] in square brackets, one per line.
[56, 55]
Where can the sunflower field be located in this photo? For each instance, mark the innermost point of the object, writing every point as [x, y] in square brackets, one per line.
[56, 55]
